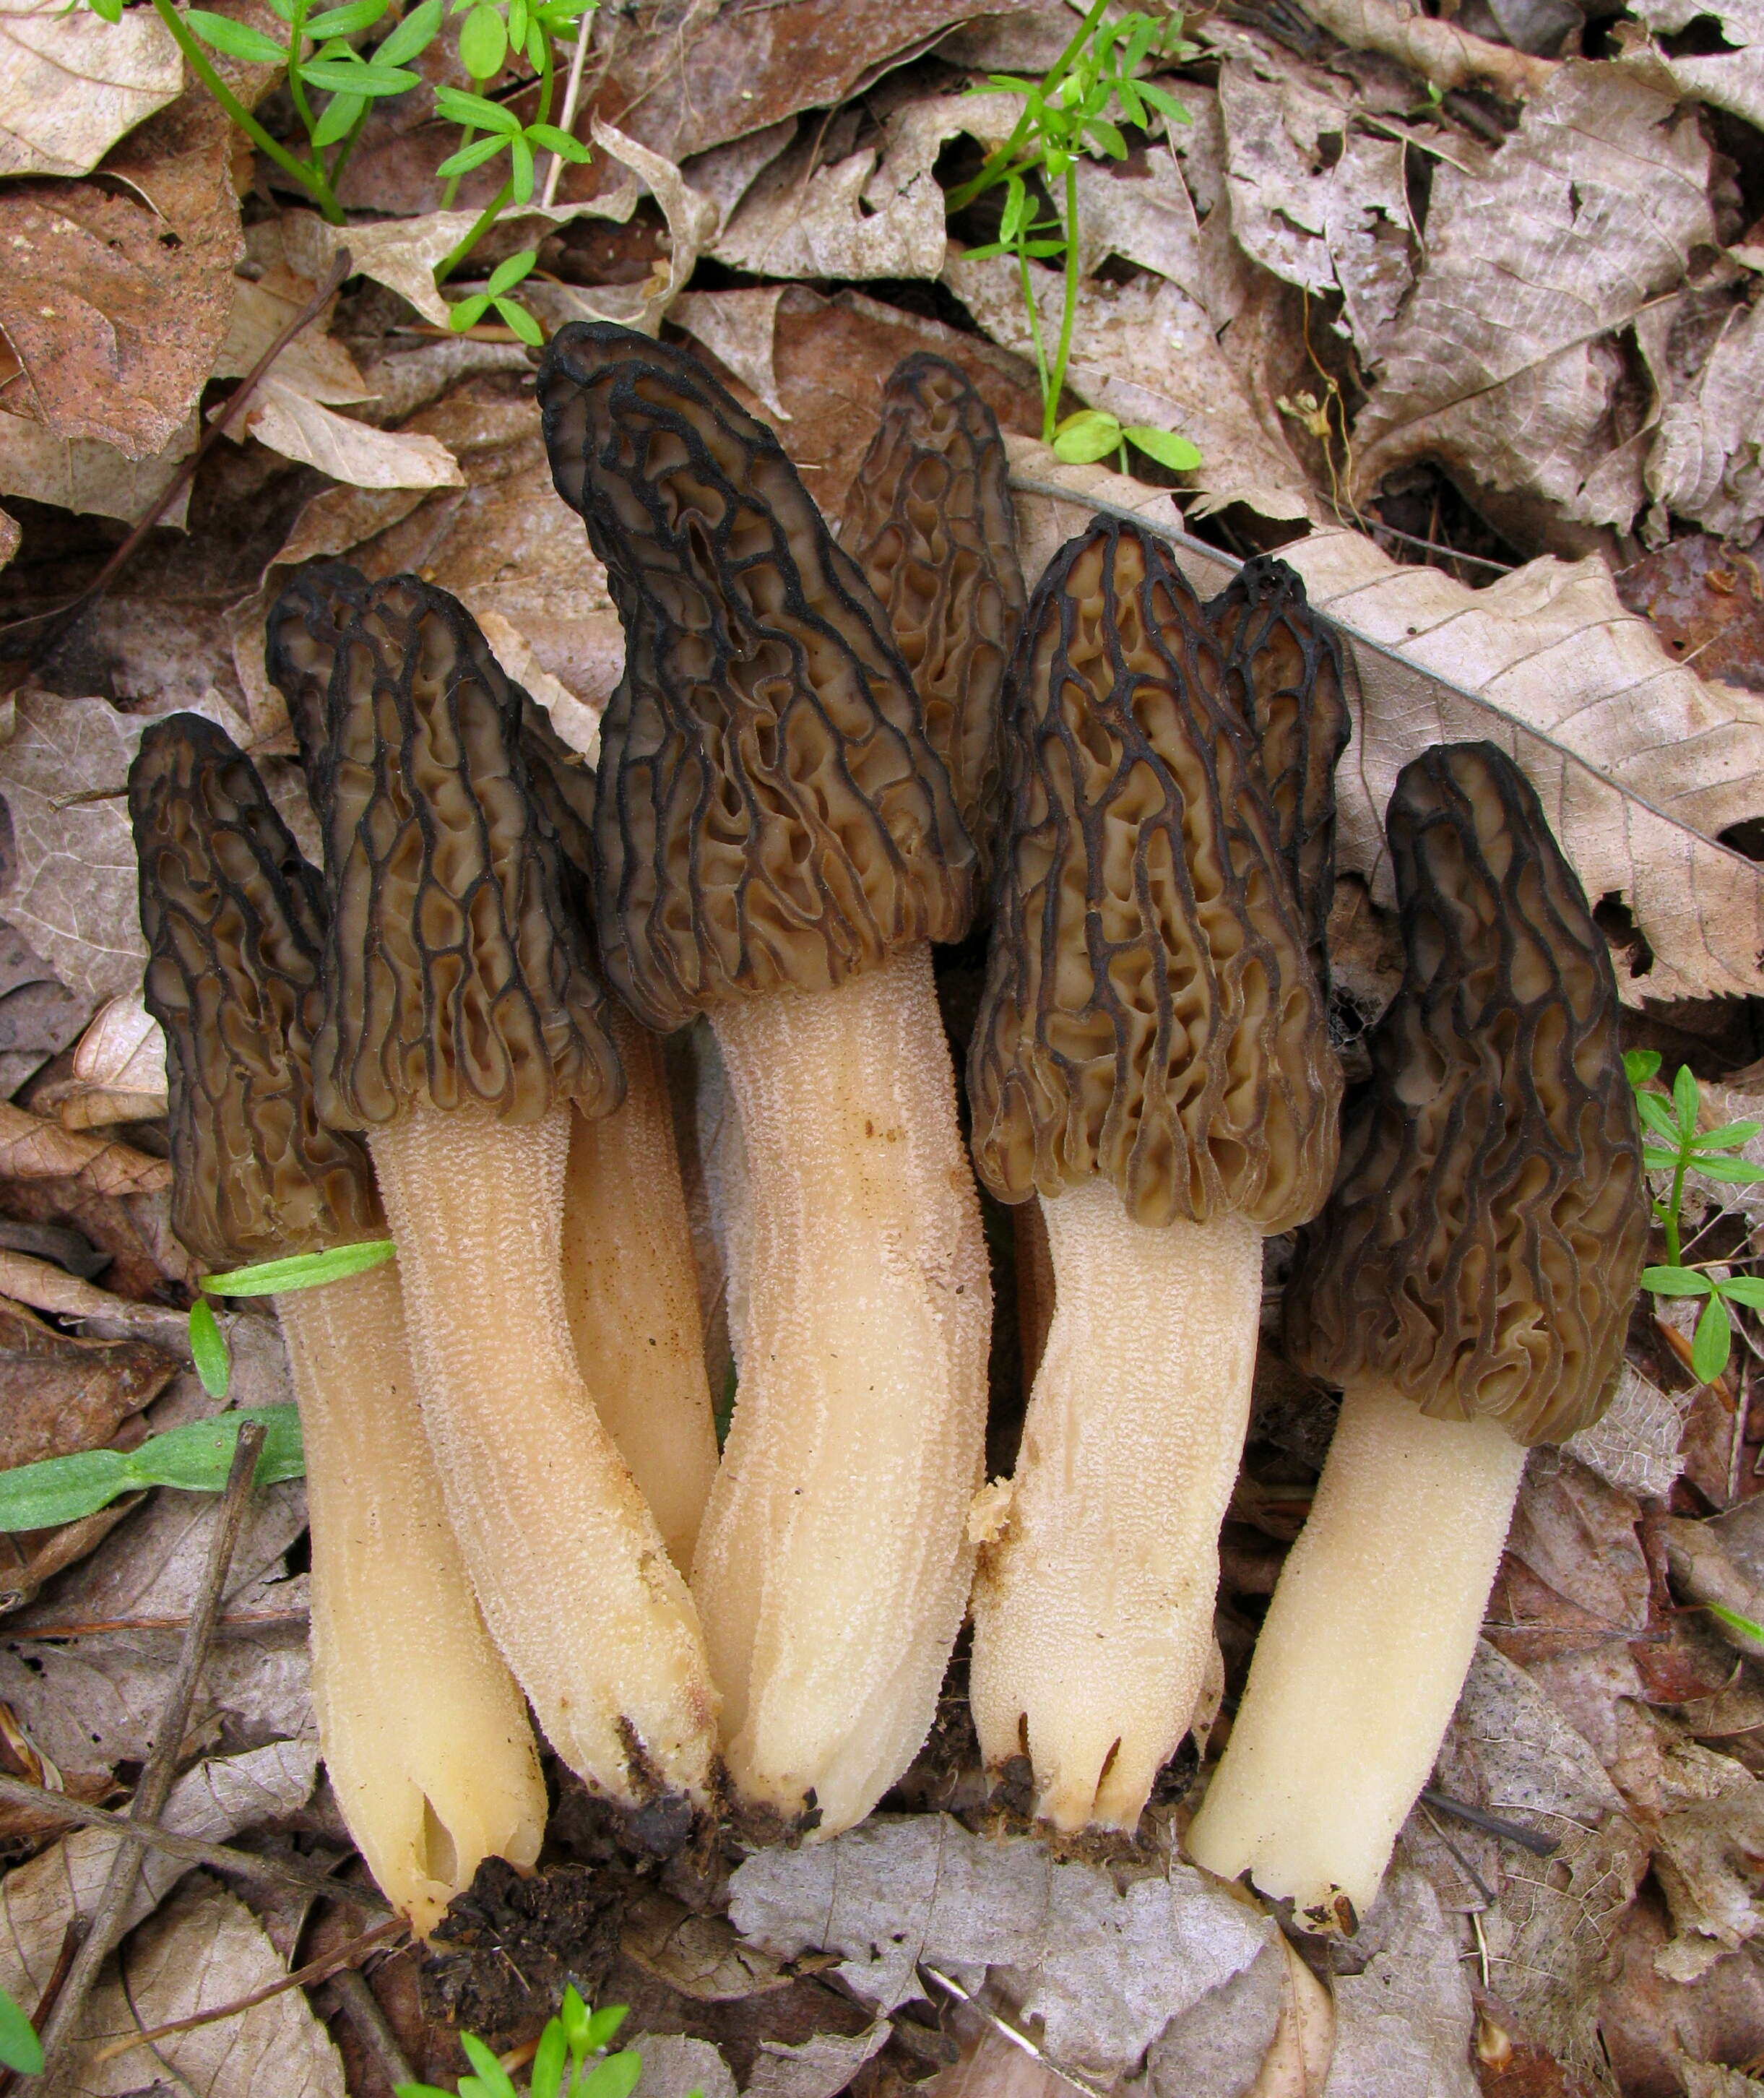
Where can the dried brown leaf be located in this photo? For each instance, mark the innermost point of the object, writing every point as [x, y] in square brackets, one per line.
[59, 1394]
[1705, 351]
[815, 2068]
[32, 1149]
[1635, 759]
[1705, 1849]
[675, 2066]
[1705, 600]
[38, 1014]
[88, 477]
[1438, 50]
[1588, 211]
[298, 427]
[71, 84]
[1402, 2025]
[118, 1074]
[1731, 77]
[117, 292]
[701, 1957]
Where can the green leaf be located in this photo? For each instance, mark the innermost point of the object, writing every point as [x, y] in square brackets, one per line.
[459, 108]
[614, 2077]
[207, 1349]
[558, 142]
[1684, 1098]
[469, 312]
[522, 323]
[602, 2027]
[21, 2049]
[419, 2090]
[107, 10]
[517, 23]
[1660, 1118]
[506, 275]
[1090, 434]
[1641, 1064]
[547, 2078]
[1660, 1161]
[1731, 1172]
[494, 2078]
[1165, 446]
[341, 115]
[1729, 1137]
[347, 21]
[1744, 1626]
[1167, 106]
[1746, 1289]
[235, 40]
[300, 1271]
[474, 155]
[520, 156]
[1676, 1281]
[414, 34]
[483, 42]
[196, 1457]
[1714, 1339]
[357, 77]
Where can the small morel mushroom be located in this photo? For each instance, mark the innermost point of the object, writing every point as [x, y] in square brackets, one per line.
[1469, 1288]
[460, 1024]
[1151, 1058]
[775, 843]
[1282, 673]
[424, 1731]
[930, 524]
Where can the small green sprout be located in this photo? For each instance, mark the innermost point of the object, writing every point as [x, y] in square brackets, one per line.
[571, 2062]
[266, 1278]
[1673, 1143]
[21, 2049]
[196, 1458]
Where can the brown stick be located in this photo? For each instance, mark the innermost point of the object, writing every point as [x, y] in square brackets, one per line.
[72, 1939]
[315, 1970]
[108, 1921]
[218, 1857]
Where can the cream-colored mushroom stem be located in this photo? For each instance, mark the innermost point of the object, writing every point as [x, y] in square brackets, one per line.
[834, 1564]
[570, 1570]
[631, 1289]
[1362, 1654]
[1093, 1608]
[422, 1728]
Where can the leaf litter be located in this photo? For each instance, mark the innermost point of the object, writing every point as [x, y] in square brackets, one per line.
[1352, 275]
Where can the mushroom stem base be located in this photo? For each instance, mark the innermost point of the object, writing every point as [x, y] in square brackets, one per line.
[569, 1568]
[1093, 1606]
[630, 1289]
[424, 1731]
[1362, 1655]
[834, 1562]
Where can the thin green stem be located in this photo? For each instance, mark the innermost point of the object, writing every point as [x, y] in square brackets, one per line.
[485, 220]
[993, 168]
[349, 146]
[1057, 380]
[1673, 1210]
[467, 132]
[296, 37]
[1034, 318]
[311, 180]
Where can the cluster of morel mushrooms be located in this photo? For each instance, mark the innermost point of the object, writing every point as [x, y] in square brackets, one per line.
[818, 756]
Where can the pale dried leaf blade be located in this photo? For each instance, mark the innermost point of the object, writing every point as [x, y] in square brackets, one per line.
[293, 423]
[1622, 750]
[203, 1950]
[32, 1149]
[70, 85]
[89, 477]
[1732, 77]
[1402, 2026]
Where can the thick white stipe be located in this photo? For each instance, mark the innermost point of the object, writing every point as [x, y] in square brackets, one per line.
[423, 1731]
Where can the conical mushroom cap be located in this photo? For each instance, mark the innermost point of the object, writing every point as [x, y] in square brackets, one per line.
[770, 812]
[1149, 1014]
[234, 920]
[1481, 1250]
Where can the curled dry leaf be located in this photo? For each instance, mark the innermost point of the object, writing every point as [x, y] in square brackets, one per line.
[1705, 353]
[38, 1014]
[203, 1951]
[119, 1071]
[817, 2067]
[1634, 1442]
[737, 328]
[1628, 749]
[116, 292]
[300, 428]
[1105, 1968]
[1588, 211]
[33, 1149]
[1402, 2024]
[88, 477]
[1732, 75]
[1439, 51]
[1711, 1832]
[59, 1394]
[70, 85]
[676, 2067]
[50, 1288]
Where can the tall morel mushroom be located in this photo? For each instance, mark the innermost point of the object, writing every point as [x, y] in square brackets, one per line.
[929, 522]
[423, 1733]
[460, 1024]
[1150, 1059]
[1467, 1288]
[775, 843]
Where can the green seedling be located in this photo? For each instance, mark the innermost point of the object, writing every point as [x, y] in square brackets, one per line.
[195, 1458]
[334, 79]
[571, 2062]
[267, 1278]
[21, 2049]
[1672, 1142]
[1068, 115]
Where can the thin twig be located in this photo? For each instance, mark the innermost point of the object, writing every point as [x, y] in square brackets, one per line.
[315, 1970]
[110, 1917]
[1460, 1859]
[72, 1939]
[240, 1621]
[1527, 1839]
[360, 2007]
[53, 624]
[218, 1857]
[566, 120]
